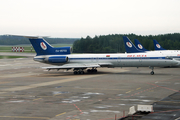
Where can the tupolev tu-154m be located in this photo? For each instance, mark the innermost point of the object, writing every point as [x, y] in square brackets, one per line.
[138, 48]
[62, 58]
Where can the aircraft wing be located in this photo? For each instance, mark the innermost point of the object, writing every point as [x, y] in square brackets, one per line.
[79, 66]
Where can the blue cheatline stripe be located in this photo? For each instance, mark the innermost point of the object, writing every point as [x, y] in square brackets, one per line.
[105, 58]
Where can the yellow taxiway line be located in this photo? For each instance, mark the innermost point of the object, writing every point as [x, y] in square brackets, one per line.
[61, 114]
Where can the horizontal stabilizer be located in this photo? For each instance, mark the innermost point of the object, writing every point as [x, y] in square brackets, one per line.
[30, 37]
[42, 47]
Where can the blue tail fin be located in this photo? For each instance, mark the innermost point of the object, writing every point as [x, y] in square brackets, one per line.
[42, 47]
[139, 46]
[157, 46]
[130, 48]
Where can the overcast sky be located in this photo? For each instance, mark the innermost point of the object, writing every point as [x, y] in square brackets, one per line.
[79, 18]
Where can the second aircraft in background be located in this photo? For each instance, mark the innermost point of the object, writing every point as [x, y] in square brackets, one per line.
[174, 54]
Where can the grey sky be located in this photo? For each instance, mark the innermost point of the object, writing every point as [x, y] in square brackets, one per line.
[79, 18]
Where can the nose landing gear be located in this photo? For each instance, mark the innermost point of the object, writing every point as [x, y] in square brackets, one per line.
[152, 72]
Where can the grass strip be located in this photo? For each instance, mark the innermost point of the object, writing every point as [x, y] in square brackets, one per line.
[11, 57]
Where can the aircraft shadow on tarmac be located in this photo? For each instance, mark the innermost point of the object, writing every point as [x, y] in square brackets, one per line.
[70, 73]
[141, 73]
[62, 73]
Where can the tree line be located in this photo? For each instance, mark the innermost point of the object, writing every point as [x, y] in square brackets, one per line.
[103, 43]
[114, 43]
[16, 40]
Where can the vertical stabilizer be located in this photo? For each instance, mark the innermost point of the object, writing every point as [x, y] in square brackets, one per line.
[139, 46]
[130, 48]
[157, 46]
[42, 47]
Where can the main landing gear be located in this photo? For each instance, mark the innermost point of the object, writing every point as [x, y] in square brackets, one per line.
[92, 70]
[78, 71]
[81, 71]
[152, 72]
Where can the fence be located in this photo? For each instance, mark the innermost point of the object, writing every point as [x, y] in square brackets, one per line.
[17, 49]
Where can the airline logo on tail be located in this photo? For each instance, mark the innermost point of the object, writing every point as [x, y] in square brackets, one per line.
[158, 46]
[43, 45]
[129, 44]
[140, 46]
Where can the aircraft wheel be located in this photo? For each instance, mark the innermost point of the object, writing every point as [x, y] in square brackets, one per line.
[152, 72]
[75, 72]
[94, 70]
[82, 72]
[89, 71]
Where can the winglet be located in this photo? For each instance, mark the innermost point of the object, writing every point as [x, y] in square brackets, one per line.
[157, 46]
[130, 48]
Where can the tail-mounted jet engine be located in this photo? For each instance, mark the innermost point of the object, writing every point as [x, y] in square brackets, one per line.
[58, 59]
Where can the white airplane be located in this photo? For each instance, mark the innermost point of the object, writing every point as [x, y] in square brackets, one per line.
[175, 54]
[63, 59]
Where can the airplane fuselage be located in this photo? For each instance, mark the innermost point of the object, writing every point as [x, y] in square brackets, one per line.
[112, 60]
[175, 54]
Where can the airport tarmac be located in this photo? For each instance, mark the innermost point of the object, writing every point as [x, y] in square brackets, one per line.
[29, 92]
